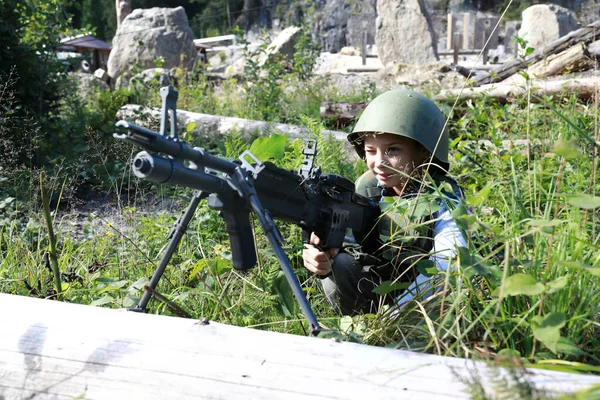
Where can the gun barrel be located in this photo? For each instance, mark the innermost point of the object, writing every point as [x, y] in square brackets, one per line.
[163, 170]
[179, 150]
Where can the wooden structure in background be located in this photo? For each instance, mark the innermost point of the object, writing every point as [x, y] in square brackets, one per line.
[88, 44]
[54, 350]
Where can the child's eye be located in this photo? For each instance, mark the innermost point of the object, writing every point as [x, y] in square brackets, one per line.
[393, 150]
[370, 151]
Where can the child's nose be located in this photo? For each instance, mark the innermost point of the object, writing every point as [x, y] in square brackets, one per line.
[381, 159]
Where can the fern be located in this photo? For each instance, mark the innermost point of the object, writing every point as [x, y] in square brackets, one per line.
[235, 143]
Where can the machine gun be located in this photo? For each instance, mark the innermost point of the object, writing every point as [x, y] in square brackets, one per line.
[317, 202]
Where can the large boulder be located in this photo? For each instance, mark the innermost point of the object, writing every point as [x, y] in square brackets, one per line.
[87, 84]
[333, 25]
[340, 23]
[283, 45]
[544, 23]
[150, 34]
[404, 32]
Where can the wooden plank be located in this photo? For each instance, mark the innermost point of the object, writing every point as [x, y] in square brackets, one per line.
[53, 350]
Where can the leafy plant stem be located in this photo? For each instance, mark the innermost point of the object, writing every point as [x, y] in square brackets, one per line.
[51, 238]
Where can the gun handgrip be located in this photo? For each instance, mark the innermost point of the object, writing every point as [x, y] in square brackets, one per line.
[243, 252]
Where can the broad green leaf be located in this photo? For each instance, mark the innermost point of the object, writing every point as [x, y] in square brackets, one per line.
[389, 286]
[566, 346]
[477, 199]
[6, 201]
[462, 218]
[130, 301]
[219, 266]
[557, 284]
[346, 323]
[416, 207]
[114, 286]
[286, 303]
[545, 222]
[138, 285]
[566, 149]
[106, 280]
[473, 264]
[269, 148]
[190, 126]
[508, 353]
[106, 299]
[547, 329]
[584, 201]
[589, 268]
[522, 284]
[427, 267]
[199, 266]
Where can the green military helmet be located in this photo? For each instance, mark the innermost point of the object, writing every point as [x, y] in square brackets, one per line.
[407, 113]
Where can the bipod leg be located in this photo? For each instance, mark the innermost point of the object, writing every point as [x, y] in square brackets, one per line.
[244, 183]
[175, 236]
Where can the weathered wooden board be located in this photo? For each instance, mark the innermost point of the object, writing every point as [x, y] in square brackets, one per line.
[53, 350]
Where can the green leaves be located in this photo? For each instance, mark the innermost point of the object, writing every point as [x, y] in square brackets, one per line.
[286, 303]
[584, 201]
[547, 329]
[589, 268]
[566, 149]
[522, 284]
[269, 148]
[478, 198]
[388, 286]
[526, 284]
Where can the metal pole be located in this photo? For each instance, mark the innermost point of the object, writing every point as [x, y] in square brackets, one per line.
[364, 47]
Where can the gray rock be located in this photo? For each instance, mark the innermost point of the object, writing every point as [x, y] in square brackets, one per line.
[150, 34]
[87, 84]
[404, 32]
[333, 26]
[283, 45]
[101, 74]
[161, 76]
[544, 23]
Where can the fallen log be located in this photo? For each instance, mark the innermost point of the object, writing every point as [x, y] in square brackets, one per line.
[341, 114]
[214, 125]
[583, 35]
[574, 59]
[583, 88]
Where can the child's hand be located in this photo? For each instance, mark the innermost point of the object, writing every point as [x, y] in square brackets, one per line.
[317, 260]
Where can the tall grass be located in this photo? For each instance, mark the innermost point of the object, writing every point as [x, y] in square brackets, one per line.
[527, 286]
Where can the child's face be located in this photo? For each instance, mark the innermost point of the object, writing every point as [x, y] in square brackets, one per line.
[387, 155]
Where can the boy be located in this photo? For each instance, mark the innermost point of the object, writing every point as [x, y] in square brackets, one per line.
[403, 139]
